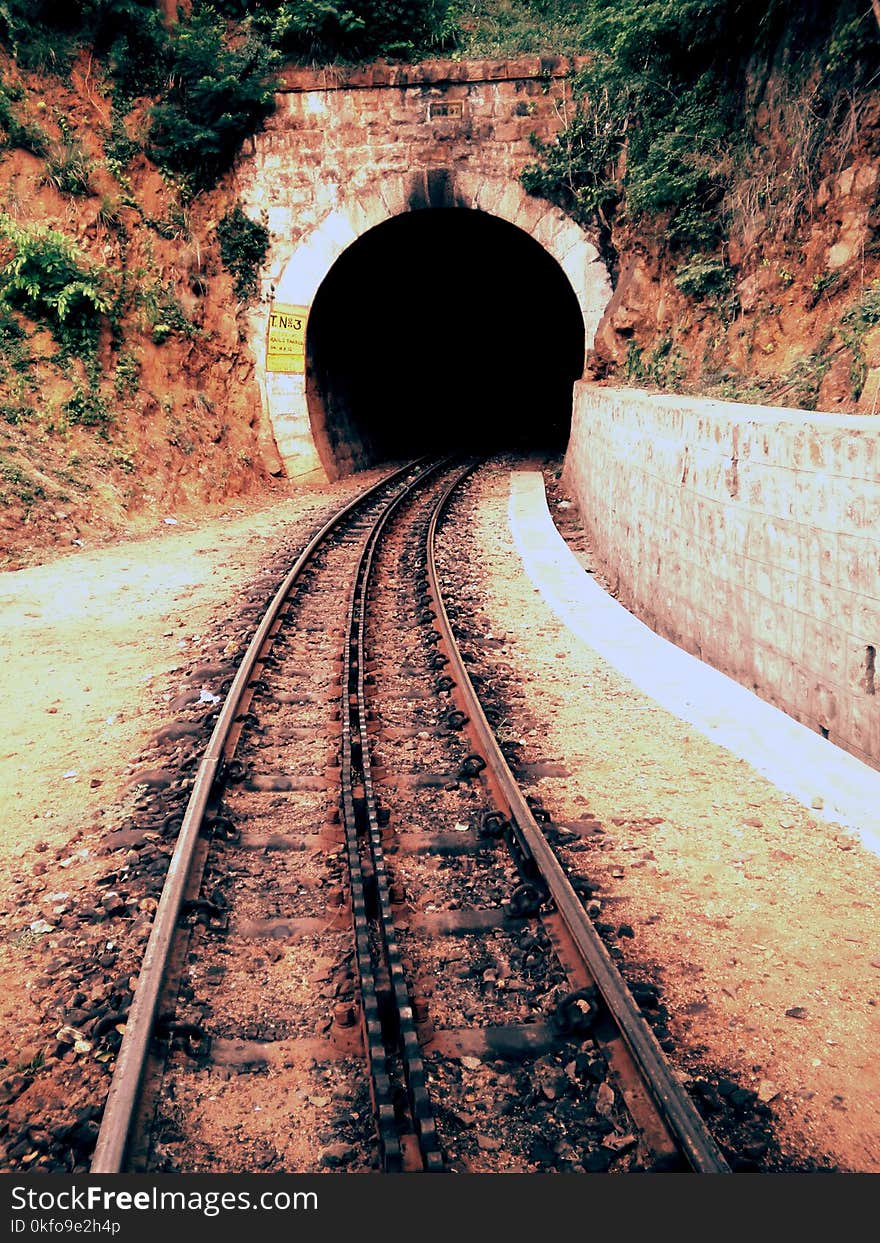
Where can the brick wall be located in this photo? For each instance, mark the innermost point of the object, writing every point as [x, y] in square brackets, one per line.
[750, 537]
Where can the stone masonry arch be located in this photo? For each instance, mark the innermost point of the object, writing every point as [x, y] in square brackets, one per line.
[317, 205]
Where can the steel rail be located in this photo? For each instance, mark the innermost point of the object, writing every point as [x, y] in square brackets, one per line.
[381, 1091]
[676, 1108]
[125, 1085]
[356, 740]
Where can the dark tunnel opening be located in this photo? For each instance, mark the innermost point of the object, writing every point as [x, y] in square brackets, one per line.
[441, 329]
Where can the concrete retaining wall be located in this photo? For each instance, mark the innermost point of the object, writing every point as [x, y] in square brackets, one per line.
[750, 537]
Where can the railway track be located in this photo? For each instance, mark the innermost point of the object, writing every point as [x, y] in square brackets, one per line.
[368, 954]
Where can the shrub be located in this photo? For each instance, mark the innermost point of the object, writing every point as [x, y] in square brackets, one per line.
[68, 168]
[130, 34]
[46, 277]
[45, 35]
[704, 277]
[243, 246]
[12, 338]
[660, 126]
[128, 374]
[15, 132]
[352, 29]
[665, 366]
[854, 327]
[19, 484]
[805, 378]
[39, 35]
[119, 148]
[162, 312]
[87, 408]
[14, 414]
[219, 95]
[579, 171]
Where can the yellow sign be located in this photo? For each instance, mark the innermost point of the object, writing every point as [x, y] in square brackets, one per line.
[286, 348]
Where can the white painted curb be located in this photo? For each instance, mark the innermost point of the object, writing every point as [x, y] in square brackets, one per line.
[795, 759]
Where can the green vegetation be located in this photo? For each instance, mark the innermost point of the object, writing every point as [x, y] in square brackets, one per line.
[803, 382]
[857, 322]
[660, 131]
[14, 132]
[119, 147]
[708, 279]
[243, 246]
[131, 39]
[37, 35]
[219, 94]
[663, 368]
[212, 74]
[17, 484]
[14, 354]
[798, 386]
[352, 30]
[703, 277]
[507, 28]
[48, 279]
[696, 126]
[161, 313]
[68, 168]
[128, 373]
[46, 35]
[87, 408]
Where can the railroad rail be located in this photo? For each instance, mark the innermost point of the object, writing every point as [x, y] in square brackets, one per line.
[675, 1112]
[123, 1096]
[595, 1009]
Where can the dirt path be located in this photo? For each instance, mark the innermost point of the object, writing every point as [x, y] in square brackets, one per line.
[760, 920]
[89, 645]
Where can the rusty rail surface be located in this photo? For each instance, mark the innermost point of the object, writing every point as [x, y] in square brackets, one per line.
[122, 1098]
[390, 1025]
[673, 1103]
[406, 1129]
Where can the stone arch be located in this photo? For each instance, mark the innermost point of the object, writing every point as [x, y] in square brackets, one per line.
[301, 259]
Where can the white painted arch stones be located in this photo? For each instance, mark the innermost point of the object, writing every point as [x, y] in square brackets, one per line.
[341, 157]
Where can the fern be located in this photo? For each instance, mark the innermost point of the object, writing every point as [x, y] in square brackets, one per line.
[46, 277]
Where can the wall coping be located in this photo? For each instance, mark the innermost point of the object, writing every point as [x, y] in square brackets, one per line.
[300, 78]
[747, 535]
[717, 407]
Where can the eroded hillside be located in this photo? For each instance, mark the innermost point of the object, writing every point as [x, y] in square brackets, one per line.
[726, 155]
[156, 411]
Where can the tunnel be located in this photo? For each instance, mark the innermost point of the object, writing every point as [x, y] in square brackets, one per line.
[440, 330]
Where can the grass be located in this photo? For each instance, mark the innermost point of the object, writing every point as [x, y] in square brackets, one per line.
[17, 485]
[500, 28]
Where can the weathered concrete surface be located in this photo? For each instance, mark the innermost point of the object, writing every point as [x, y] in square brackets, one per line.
[346, 151]
[750, 537]
[835, 785]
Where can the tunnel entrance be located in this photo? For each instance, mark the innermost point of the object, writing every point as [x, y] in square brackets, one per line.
[441, 329]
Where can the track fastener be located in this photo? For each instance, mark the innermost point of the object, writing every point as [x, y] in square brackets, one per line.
[471, 766]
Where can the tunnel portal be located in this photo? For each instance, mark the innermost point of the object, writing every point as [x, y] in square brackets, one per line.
[441, 329]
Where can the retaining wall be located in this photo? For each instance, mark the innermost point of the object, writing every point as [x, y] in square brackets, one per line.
[749, 536]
